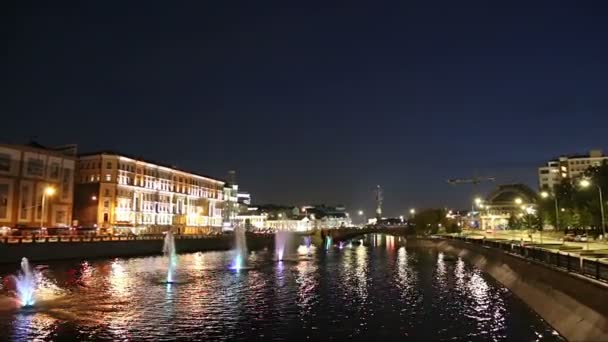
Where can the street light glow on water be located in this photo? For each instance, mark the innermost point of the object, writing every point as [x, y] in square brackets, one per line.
[380, 289]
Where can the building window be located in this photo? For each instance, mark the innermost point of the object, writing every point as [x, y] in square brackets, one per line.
[54, 172]
[35, 167]
[61, 217]
[109, 165]
[106, 204]
[3, 201]
[108, 177]
[25, 202]
[66, 183]
[5, 162]
[105, 217]
[107, 193]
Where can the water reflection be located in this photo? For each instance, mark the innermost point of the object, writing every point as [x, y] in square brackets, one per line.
[376, 290]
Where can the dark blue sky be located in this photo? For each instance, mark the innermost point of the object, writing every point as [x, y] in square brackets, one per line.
[317, 102]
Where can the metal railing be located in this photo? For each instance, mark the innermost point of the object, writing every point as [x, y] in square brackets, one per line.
[591, 267]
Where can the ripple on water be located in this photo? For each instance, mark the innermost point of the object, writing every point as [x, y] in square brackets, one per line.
[378, 290]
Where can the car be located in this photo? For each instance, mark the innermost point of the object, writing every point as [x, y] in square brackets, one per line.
[569, 237]
[581, 238]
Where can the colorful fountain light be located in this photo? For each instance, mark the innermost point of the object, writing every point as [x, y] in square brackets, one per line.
[308, 243]
[240, 250]
[169, 252]
[280, 243]
[25, 283]
[328, 242]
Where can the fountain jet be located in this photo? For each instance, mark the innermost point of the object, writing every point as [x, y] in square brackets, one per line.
[25, 283]
[169, 252]
[240, 248]
[308, 243]
[280, 243]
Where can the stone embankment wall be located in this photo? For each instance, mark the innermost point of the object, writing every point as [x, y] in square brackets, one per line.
[46, 251]
[577, 308]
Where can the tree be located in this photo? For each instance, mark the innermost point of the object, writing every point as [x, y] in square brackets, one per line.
[429, 221]
[515, 222]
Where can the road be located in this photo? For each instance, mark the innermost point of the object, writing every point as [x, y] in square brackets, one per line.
[547, 238]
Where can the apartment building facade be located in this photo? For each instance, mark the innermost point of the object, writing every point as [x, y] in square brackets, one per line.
[568, 168]
[119, 193]
[36, 185]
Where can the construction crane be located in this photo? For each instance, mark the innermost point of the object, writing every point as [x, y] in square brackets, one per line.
[473, 181]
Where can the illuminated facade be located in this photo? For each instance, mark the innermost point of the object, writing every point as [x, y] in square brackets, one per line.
[27, 174]
[568, 168]
[504, 202]
[124, 194]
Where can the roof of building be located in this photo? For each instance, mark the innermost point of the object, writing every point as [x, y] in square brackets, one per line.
[150, 161]
[64, 151]
[507, 193]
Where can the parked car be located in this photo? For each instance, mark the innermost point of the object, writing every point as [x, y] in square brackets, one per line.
[581, 238]
[569, 237]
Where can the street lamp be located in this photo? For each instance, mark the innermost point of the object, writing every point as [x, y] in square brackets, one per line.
[585, 183]
[545, 194]
[48, 191]
[412, 211]
[360, 212]
[518, 201]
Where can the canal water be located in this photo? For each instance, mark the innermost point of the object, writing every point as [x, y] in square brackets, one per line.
[378, 290]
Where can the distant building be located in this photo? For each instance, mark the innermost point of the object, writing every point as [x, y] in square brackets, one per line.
[568, 168]
[328, 217]
[121, 193]
[27, 174]
[243, 197]
[504, 202]
[293, 218]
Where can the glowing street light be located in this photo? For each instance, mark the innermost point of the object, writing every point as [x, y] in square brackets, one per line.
[48, 191]
[518, 201]
[360, 212]
[478, 201]
[412, 211]
[585, 183]
[546, 195]
[93, 198]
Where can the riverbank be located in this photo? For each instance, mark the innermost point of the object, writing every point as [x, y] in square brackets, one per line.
[574, 306]
[90, 248]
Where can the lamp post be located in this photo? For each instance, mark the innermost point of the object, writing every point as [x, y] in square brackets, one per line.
[48, 191]
[585, 183]
[545, 194]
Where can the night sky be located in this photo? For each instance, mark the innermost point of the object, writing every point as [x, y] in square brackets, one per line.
[317, 102]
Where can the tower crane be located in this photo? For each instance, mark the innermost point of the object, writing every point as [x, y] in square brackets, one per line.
[473, 181]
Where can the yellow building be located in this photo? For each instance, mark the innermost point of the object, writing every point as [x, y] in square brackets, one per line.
[118, 193]
[36, 185]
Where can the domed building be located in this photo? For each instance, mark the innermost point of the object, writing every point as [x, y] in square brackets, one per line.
[505, 201]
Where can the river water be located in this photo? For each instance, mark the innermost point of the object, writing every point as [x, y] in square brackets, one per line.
[380, 290]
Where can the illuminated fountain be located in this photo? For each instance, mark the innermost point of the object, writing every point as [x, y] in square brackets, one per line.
[240, 249]
[169, 252]
[308, 243]
[25, 284]
[281, 239]
[328, 242]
